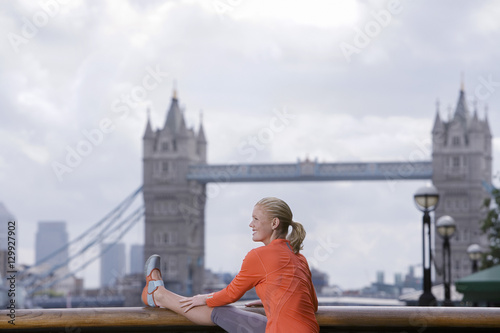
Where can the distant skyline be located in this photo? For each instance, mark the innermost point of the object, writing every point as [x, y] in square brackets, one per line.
[359, 80]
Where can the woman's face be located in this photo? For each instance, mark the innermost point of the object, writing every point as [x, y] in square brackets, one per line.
[261, 226]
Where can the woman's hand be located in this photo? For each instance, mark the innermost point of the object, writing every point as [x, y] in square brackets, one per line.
[191, 302]
[254, 303]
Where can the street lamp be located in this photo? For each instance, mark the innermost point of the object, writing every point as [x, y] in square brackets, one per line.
[446, 227]
[474, 251]
[426, 199]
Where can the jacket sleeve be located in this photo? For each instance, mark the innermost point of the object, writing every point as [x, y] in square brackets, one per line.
[314, 297]
[251, 273]
[312, 291]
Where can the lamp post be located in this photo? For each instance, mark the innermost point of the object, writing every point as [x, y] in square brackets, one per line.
[446, 227]
[426, 199]
[474, 251]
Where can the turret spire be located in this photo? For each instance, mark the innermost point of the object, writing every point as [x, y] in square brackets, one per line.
[201, 131]
[486, 122]
[461, 110]
[175, 118]
[174, 93]
[438, 124]
[148, 133]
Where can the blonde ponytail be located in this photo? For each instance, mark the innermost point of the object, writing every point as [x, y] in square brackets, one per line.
[297, 236]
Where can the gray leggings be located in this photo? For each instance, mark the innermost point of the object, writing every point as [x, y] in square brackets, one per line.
[234, 320]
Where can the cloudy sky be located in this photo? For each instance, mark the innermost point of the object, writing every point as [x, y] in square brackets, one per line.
[359, 81]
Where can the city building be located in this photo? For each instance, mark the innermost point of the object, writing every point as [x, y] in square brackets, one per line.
[462, 165]
[411, 282]
[5, 217]
[51, 239]
[113, 264]
[214, 282]
[52, 255]
[175, 206]
[136, 258]
[319, 280]
[380, 288]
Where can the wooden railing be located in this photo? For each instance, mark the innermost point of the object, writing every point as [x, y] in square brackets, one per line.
[330, 318]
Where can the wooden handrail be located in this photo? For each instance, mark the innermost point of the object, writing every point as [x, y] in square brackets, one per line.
[330, 318]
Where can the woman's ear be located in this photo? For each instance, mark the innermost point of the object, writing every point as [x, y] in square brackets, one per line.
[275, 224]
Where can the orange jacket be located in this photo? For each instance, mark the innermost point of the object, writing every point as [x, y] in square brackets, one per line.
[282, 280]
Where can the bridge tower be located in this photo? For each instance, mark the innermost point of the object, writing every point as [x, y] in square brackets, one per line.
[461, 162]
[175, 206]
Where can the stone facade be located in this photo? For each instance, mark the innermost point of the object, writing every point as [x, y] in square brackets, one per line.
[175, 206]
[461, 163]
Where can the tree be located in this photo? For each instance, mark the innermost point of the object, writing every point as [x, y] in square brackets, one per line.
[491, 227]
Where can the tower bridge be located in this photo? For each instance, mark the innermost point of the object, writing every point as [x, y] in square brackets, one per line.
[175, 175]
[310, 171]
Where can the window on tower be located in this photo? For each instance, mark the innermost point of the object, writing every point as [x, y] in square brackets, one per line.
[164, 166]
[157, 239]
[456, 141]
[171, 266]
[164, 146]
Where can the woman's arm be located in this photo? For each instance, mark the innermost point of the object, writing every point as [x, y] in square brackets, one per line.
[312, 291]
[314, 298]
[254, 303]
[251, 273]
[191, 302]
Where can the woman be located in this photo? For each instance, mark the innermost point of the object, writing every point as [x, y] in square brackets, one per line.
[279, 273]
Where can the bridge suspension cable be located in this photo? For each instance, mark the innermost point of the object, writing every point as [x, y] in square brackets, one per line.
[125, 225]
[110, 229]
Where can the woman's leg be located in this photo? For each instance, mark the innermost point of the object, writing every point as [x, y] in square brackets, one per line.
[200, 315]
[233, 320]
